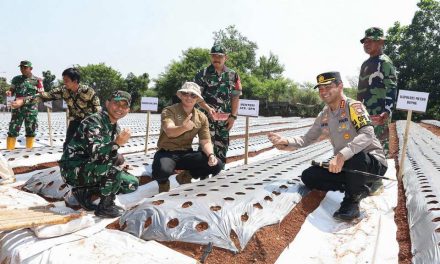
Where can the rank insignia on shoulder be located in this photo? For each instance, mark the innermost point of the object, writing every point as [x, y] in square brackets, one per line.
[359, 116]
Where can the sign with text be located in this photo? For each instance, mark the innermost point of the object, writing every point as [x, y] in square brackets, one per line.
[64, 105]
[48, 104]
[9, 100]
[249, 107]
[149, 103]
[410, 100]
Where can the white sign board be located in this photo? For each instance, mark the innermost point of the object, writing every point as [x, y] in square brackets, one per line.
[410, 100]
[64, 105]
[48, 104]
[149, 104]
[249, 107]
[9, 100]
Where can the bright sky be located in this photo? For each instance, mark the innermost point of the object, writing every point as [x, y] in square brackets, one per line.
[309, 36]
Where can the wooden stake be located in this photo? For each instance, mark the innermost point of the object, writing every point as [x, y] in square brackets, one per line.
[246, 141]
[50, 126]
[405, 142]
[148, 131]
[67, 118]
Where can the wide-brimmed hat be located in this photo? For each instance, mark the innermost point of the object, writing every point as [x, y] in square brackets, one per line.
[191, 87]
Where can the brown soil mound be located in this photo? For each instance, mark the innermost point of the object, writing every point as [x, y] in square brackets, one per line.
[400, 212]
[266, 245]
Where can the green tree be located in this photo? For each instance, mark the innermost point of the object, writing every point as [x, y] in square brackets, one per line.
[48, 80]
[104, 79]
[178, 72]
[269, 68]
[306, 100]
[241, 51]
[4, 86]
[415, 52]
[351, 92]
[137, 86]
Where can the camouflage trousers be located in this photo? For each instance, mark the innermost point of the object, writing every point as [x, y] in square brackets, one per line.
[109, 179]
[382, 133]
[28, 114]
[219, 138]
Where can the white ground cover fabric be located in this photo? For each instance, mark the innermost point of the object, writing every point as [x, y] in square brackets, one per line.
[6, 173]
[421, 180]
[370, 239]
[11, 198]
[242, 199]
[94, 244]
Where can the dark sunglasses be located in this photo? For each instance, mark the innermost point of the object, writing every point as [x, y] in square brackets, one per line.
[193, 96]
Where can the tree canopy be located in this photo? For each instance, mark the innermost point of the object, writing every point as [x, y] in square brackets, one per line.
[415, 51]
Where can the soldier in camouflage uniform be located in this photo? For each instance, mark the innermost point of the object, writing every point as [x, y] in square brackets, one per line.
[80, 99]
[377, 88]
[221, 89]
[21, 86]
[88, 163]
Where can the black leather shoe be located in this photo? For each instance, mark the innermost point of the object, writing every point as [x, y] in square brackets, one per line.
[349, 209]
[164, 186]
[107, 207]
[84, 198]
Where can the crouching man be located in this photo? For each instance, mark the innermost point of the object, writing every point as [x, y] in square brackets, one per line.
[180, 124]
[90, 161]
[355, 146]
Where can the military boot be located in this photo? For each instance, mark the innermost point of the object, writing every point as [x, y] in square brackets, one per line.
[107, 207]
[164, 186]
[184, 177]
[30, 142]
[84, 198]
[113, 196]
[349, 209]
[10, 143]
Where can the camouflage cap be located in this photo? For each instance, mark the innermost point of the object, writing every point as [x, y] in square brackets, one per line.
[121, 96]
[25, 63]
[218, 49]
[373, 33]
[327, 78]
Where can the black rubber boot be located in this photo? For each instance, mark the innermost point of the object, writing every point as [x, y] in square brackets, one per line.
[84, 198]
[107, 207]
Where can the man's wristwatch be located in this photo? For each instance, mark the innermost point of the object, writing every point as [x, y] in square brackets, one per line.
[233, 116]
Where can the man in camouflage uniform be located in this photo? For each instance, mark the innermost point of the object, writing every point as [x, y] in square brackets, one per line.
[21, 86]
[355, 146]
[221, 89]
[377, 88]
[88, 162]
[80, 99]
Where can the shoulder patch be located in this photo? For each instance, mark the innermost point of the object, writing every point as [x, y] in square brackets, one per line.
[359, 116]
